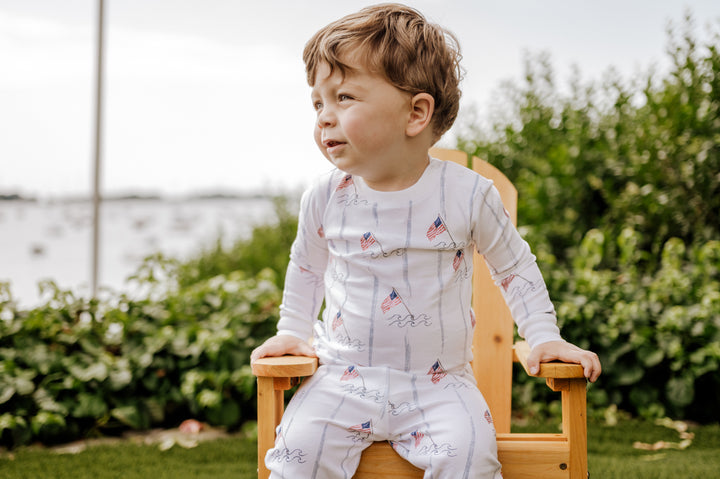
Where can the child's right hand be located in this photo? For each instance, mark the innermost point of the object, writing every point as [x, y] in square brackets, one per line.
[281, 345]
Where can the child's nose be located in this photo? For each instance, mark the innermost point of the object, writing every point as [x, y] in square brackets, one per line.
[325, 118]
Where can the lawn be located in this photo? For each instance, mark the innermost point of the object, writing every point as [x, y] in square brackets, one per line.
[610, 454]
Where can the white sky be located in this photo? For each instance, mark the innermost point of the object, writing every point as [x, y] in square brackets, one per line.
[206, 95]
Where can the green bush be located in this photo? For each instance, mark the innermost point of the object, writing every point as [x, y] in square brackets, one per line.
[74, 367]
[267, 247]
[620, 199]
[177, 347]
[642, 154]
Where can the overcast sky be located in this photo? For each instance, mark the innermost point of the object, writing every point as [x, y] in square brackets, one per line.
[208, 95]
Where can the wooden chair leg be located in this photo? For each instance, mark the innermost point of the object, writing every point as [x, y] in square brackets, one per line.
[270, 407]
[574, 422]
[266, 409]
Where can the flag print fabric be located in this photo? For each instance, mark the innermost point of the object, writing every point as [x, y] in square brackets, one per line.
[350, 373]
[437, 372]
[365, 427]
[391, 301]
[337, 321]
[457, 260]
[436, 228]
[396, 331]
[367, 240]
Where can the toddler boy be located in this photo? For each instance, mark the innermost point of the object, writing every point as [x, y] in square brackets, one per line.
[386, 240]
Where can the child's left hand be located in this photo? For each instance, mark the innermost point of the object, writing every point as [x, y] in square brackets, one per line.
[566, 352]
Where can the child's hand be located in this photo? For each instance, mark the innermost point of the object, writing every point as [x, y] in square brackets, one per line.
[565, 352]
[280, 345]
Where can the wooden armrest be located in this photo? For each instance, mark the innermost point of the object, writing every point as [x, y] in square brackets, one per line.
[285, 366]
[554, 369]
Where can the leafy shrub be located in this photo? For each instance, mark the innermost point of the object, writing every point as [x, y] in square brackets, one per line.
[267, 247]
[619, 198]
[642, 154]
[74, 367]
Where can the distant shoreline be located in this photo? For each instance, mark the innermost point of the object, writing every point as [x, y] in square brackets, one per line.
[138, 197]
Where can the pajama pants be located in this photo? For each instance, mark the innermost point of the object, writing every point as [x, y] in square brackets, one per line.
[439, 422]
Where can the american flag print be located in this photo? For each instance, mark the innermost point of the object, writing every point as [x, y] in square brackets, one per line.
[436, 228]
[346, 181]
[418, 436]
[506, 282]
[392, 300]
[457, 261]
[350, 373]
[488, 417]
[437, 372]
[337, 321]
[367, 240]
[365, 427]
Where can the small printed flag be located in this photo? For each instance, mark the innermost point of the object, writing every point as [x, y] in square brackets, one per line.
[347, 181]
[367, 240]
[488, 417]
[437, 372]
[365, 427]
[506, 282]
[393, 299]
[337, 321]
[438, 227]
[458, 259]
[350, 373]
[418, 437]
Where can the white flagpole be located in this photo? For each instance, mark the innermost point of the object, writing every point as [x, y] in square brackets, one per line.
[98, 151]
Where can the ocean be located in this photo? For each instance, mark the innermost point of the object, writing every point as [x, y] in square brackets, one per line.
[53, 239]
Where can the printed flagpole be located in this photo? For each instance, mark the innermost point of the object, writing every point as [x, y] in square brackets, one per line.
[402, 301]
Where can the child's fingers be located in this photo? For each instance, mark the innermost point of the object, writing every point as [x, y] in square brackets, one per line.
[592, 366]
[568, 353]
[281, 345]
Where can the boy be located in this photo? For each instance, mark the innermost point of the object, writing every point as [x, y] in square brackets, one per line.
[383, 239]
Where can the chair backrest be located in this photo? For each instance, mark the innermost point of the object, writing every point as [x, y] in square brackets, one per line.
[493, 337]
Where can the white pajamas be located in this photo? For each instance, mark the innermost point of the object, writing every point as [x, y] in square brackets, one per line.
[395, 270]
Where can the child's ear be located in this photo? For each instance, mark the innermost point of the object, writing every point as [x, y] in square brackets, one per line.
[422, 107]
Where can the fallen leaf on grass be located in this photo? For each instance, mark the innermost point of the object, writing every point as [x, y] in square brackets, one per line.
[188, 435]
[684, 444]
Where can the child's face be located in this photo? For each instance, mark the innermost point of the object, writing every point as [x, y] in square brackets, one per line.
[361, 124]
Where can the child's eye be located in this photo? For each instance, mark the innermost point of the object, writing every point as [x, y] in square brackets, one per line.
[317, 106]
[343, 97]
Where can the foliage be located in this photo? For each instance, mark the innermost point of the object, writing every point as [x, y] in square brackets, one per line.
[267, 247]
[620, 191]
[644, 155]
[75, 367]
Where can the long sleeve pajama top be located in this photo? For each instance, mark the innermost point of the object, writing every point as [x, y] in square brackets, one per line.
[395, 271]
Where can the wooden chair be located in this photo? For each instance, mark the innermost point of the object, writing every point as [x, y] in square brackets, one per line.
[547, 456]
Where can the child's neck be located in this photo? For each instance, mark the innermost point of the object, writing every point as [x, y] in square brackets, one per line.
[408, 172]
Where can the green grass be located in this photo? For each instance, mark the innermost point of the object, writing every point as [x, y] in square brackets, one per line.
[222, 458]
[610, 455]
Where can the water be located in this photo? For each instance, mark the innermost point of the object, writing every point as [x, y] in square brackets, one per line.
[53, 240]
